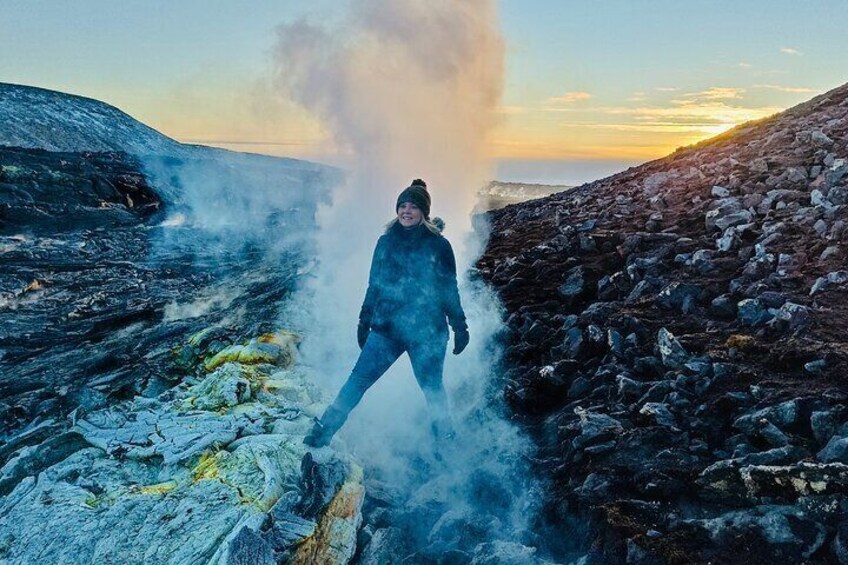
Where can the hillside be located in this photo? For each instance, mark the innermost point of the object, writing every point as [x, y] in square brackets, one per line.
[677, 345]
[151, 405]
[55, 121]
[36, 118]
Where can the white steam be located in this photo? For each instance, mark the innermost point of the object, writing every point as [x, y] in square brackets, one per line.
[406, 89]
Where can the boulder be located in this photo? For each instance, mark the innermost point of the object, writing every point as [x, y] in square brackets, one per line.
[794, 316]
[388, 546]
[723, 214]
[658, 414]
[574, 285]
[679, 296]
[734, 219]
[752, 312]
[506, 553]
[595, 428]
[672, 353]
[824, 424]
[573, 344]
[783, 415]
[835, 278]
[817, 137]
[719, 192]
[579, 387]
[723, 307]
[836, 451]
[815, 367]
[771, 532]
[702, 260]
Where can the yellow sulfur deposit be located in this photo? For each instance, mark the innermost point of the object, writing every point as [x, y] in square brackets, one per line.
[206, 468]
[277, 348]
[160, 488]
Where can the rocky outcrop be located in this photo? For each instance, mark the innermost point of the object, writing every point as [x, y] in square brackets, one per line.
[677, 345]
[212, 470]
[115, 444]
[98, 279]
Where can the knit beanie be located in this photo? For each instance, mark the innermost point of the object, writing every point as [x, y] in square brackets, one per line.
[418, 195]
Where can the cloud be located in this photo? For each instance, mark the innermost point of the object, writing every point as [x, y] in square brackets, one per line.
[666, 89]
[567, 110]
[744, 65]
[638, 96]
[790, 51]
[654, 127]
[779, 88]
[636, 130]
[702, 113]
[704, 118]
[714, 93]
[681, 112]
[570, 98]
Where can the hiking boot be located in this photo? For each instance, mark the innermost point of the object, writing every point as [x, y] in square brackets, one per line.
[318, 436]
[443, 430]
[444, 435]
[324, 429]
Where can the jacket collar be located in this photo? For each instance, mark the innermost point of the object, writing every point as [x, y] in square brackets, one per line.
[409, 234]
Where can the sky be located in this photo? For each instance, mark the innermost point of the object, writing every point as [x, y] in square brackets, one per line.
[607, 83]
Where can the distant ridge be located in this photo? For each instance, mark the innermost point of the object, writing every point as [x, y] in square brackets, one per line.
[37, 118]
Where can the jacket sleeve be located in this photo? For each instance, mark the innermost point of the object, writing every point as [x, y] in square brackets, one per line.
[450, 292]
[374, 283]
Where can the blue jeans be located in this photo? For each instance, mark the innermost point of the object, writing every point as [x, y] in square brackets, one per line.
[380, 353]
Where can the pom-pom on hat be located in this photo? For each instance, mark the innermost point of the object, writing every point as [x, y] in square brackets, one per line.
[416, 193]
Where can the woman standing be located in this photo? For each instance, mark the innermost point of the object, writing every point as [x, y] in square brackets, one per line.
[412, 296]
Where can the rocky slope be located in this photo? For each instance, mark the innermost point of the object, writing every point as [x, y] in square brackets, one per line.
[677, 345]
[210, 471]
[95, 283]
[151, 410]
[37, 118]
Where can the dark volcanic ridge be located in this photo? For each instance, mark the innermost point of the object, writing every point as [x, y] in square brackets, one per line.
[95, 286]
[677, 344]
[151, 409]
[123, 241]
[37, 118]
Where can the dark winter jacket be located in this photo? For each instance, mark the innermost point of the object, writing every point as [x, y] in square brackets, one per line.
[412, 286]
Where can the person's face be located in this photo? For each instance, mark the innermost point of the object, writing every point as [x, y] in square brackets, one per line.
[409, 215]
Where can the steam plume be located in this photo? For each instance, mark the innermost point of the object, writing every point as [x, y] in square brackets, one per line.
[408, 89]
[405, 89]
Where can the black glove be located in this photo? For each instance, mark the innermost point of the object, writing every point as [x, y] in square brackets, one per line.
[362, 332]
[460, 341]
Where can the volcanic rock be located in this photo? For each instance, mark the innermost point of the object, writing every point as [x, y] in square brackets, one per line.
[752, 225]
